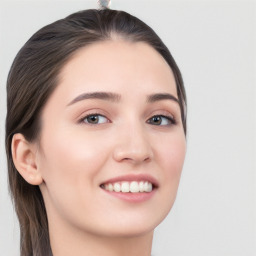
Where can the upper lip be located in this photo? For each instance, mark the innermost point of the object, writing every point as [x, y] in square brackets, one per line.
[134, 177]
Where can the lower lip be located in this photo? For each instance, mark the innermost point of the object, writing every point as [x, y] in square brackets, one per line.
[132, 197]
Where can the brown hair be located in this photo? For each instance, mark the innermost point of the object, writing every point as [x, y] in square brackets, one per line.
[33, 77]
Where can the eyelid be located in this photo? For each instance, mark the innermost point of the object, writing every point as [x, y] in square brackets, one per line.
[96, 111]
[170, 119]
[88, 114]
[164, 113]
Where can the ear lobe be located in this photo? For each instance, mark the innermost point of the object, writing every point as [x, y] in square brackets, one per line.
[24, 158]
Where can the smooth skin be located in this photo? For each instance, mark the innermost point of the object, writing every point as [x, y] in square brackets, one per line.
[86, 140]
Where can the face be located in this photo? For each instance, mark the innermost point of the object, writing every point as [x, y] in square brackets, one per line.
[113, 123]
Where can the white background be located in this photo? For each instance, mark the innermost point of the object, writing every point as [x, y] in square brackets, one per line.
[214, 44]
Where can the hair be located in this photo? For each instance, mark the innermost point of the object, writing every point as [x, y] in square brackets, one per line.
[32, 79]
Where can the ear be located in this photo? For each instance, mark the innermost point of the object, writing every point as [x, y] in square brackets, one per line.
[24, 158]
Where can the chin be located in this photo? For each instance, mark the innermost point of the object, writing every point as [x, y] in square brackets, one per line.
[133, 225]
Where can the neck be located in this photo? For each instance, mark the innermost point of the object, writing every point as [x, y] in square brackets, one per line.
[89, 244]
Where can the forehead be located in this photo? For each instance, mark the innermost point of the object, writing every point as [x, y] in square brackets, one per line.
[117, 65]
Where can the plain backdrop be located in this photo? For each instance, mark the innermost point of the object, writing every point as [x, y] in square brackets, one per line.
[214, 45]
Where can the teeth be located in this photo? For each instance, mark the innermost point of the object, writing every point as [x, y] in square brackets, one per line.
[147, 187]
[126, 187]
[134, 187]
[141, 186]
[150, 187]
[117, 187]
[110, 187]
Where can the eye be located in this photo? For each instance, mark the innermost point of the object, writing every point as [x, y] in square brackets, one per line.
[95, 119]
[161, 120]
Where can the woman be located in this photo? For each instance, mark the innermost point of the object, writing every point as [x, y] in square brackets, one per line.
[95, 135]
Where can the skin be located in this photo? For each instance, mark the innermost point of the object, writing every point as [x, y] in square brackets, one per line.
[74, 157]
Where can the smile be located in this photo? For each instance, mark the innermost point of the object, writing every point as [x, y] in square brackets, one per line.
[129, 187]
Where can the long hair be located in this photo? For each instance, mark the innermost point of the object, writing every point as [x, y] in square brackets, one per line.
[34, 75]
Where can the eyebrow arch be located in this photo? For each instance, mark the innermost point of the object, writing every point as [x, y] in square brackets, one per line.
[114, 97]
[97, 95]
[161, 96]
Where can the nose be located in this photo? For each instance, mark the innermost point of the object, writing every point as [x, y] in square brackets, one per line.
[133, 145]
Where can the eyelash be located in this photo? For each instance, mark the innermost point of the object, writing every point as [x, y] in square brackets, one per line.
[170, 119]
[82, 120]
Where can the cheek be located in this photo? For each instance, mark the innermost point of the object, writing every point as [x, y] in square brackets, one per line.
[70, 163]
[172, 154]
[73, 150]
[69, 168]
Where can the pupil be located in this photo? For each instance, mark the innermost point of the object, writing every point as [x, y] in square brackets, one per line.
[93, 119]
[157, 119]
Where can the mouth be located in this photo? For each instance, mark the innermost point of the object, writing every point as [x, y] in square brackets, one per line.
[129, 186]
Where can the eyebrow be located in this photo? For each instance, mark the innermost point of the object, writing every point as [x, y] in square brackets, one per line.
[161, 96]
[109, 96]
[114, 97]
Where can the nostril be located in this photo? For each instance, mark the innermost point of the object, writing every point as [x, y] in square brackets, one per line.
[147, 159]
[134, 149]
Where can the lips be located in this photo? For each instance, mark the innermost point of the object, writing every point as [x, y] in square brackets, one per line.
[130, 184]
[126, 187]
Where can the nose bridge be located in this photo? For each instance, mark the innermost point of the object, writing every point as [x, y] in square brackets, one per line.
[133, 142]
